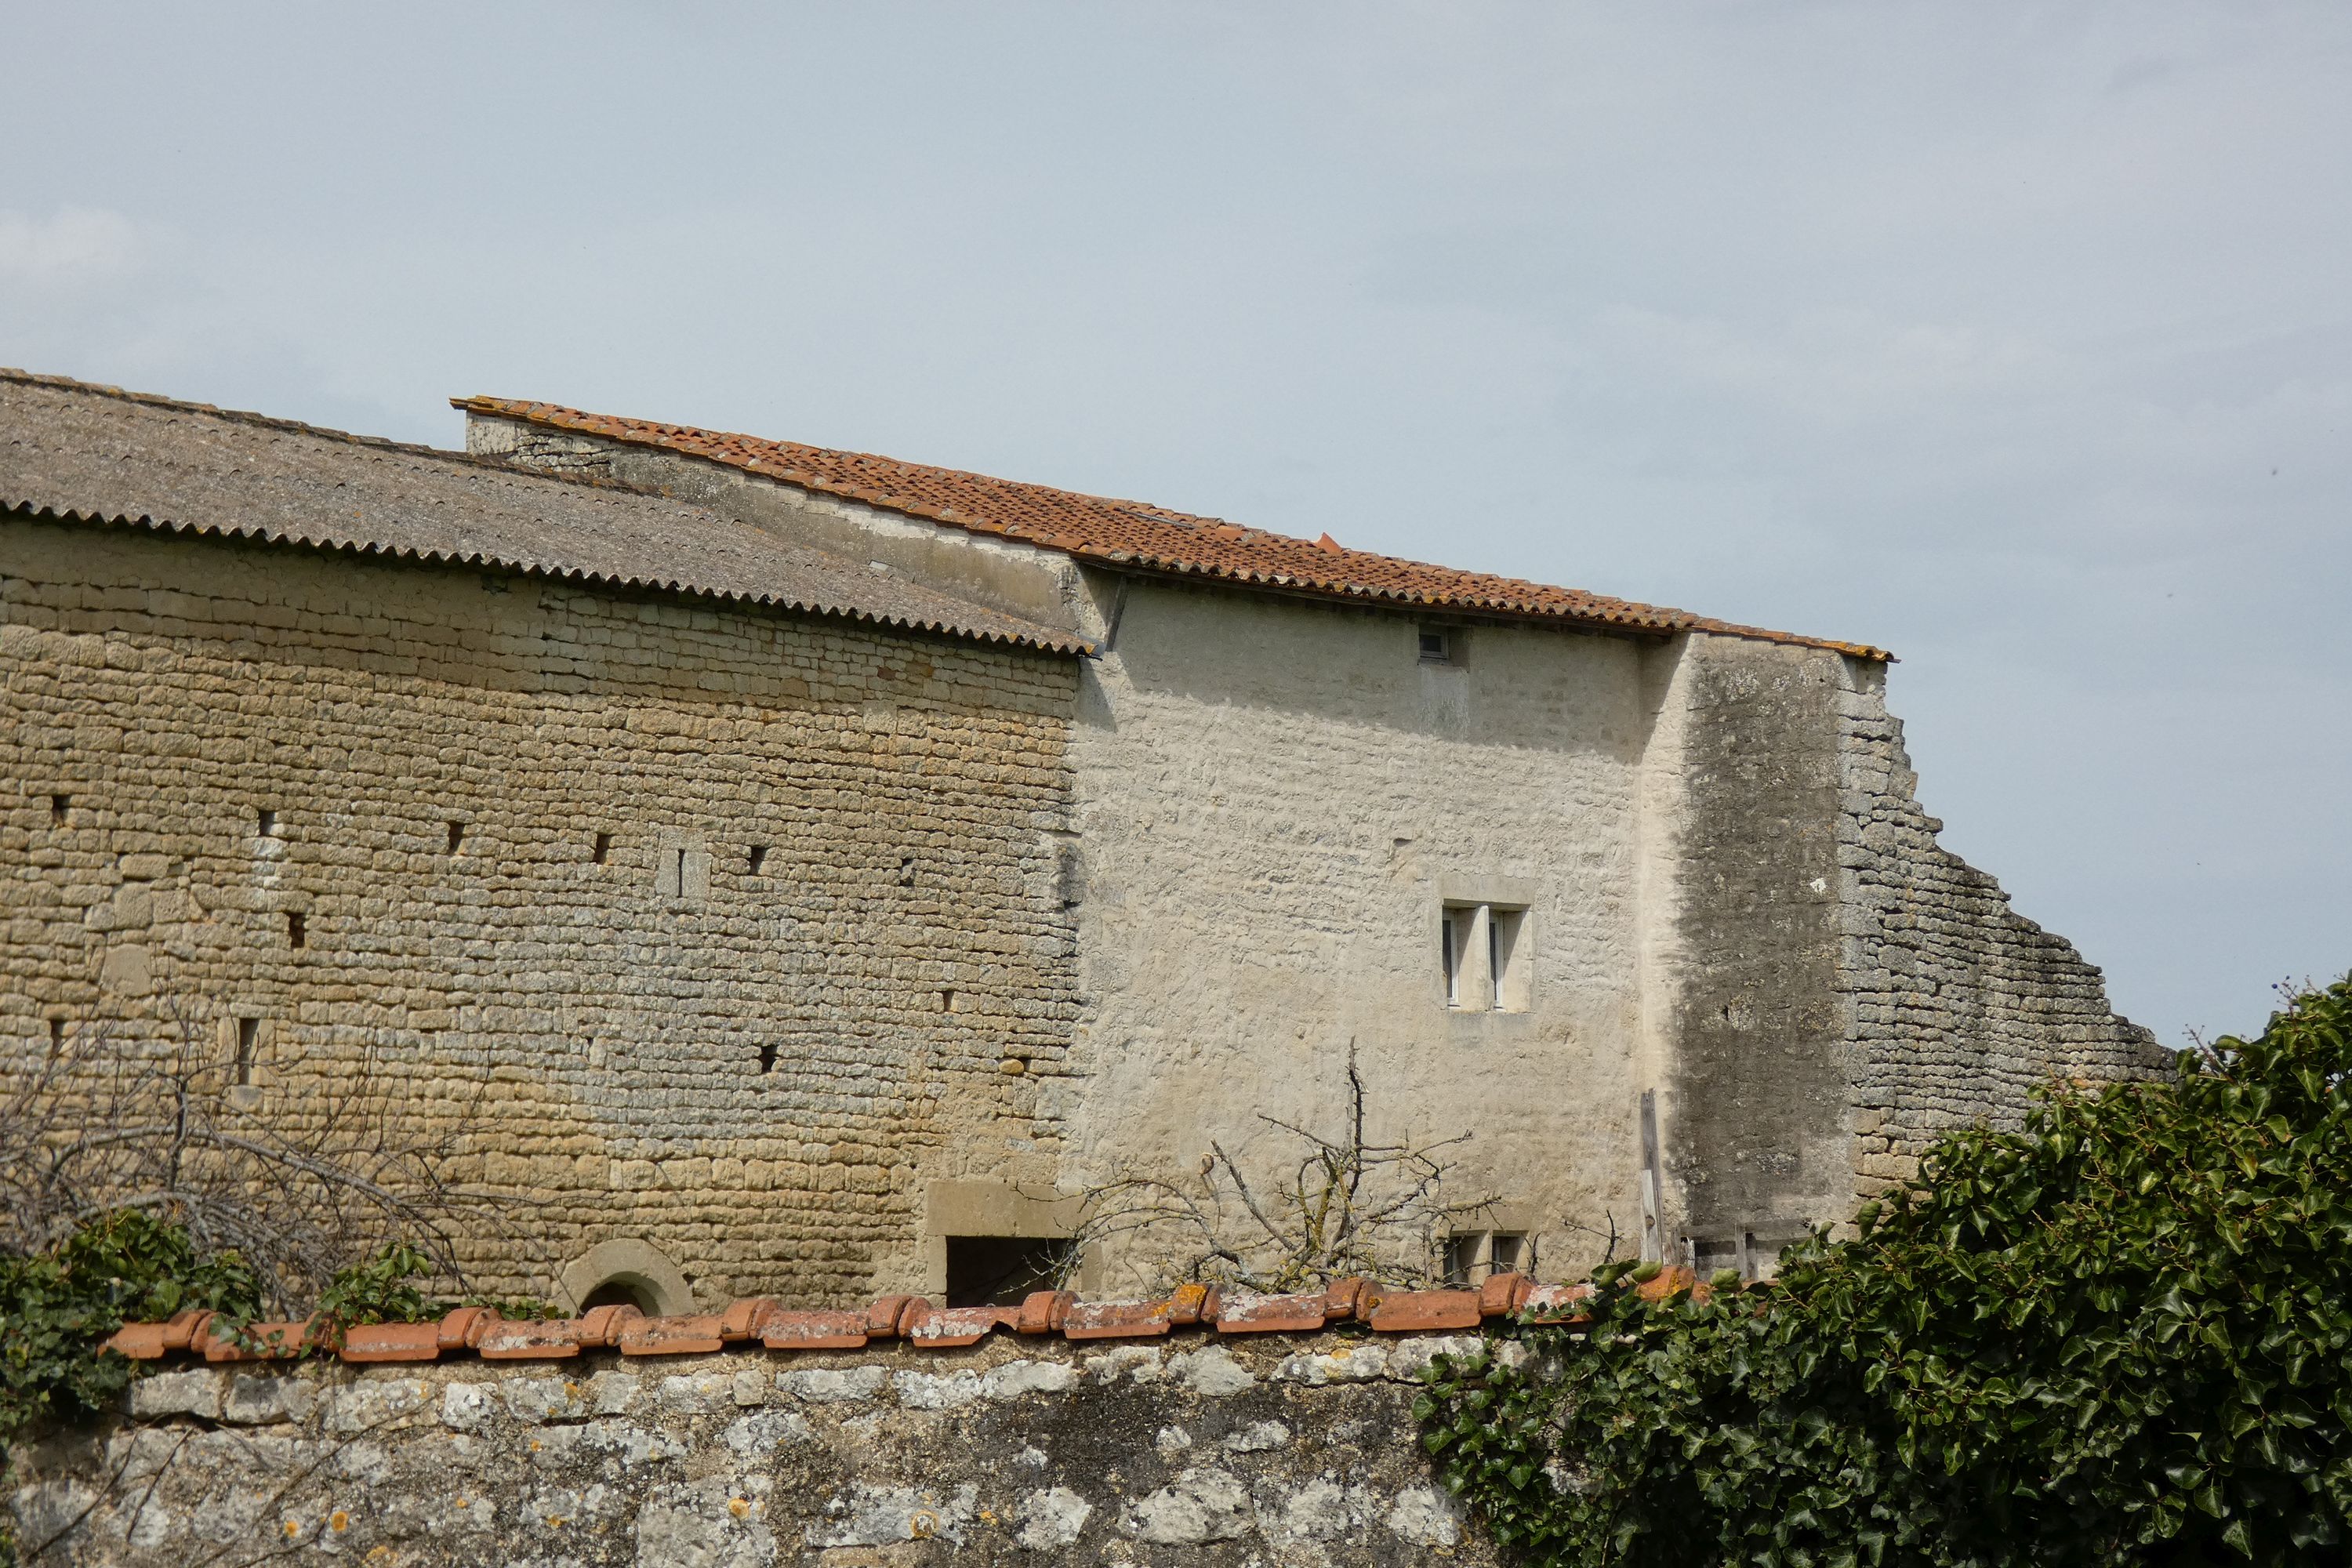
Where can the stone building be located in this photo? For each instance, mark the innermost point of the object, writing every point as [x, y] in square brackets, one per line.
[831, 860]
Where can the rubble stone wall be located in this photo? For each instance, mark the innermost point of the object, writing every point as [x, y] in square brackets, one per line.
[1956, 1004]
[1277, 1450]
[517, 822]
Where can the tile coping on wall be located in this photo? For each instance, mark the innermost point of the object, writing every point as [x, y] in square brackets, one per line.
[761, 1321]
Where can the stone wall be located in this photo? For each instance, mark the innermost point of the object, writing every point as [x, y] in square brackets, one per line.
[517, 820]
[1957, 1006]
[1276, 1450]
[1741, 869]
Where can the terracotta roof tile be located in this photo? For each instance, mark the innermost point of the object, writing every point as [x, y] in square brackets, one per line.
[1134, 534]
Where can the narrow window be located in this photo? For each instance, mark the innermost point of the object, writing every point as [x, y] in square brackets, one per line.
[602, 849]
[756, 859]
[60, 805]
[265, 822]
[57, 1037]
[1510, 1254]
[1453, 932]
[1462, 1257]
[249, 1036]
[457, 836]
[1507, 958]
[298, 930]
[768, 1056]
[947, 1000]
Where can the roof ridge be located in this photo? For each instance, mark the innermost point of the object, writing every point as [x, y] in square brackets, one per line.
[1090, 527]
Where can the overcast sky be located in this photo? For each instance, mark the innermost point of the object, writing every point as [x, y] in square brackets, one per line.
[2017, 338]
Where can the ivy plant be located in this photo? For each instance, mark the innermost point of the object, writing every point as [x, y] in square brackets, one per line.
[57, 1306]
[2120, 1335]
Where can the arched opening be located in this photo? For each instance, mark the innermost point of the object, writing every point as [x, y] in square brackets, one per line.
[622, 1292]
[626, 1272]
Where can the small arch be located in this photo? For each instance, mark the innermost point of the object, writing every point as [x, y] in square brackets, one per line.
[626, 1271]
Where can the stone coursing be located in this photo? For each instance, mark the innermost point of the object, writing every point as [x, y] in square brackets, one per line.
[755, 1067]
[1280, 1451]
[1958, 1005]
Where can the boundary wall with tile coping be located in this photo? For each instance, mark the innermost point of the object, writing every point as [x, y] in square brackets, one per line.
[1205, 1428]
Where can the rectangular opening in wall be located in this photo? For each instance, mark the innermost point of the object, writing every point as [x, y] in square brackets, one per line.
[756, 858]
[1709, 1255]
[1453, 926]
[1440, 644]
[1461, 1259]
[60, 807]
[602, 850]
[248, 1037]
[1507, 959]
[1510, 1253]
[457, 837]
[297, 931]
[998, 1270]
[57, 1037]
[265, 822]
[768, 1056]
[947, 1000]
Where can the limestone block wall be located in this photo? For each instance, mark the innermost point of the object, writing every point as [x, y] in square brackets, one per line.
[729, 931]
[1285, 1451]
[1957, 1006]
[1275, 803]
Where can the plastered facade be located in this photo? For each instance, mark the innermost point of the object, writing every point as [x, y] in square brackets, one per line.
[1285, 1451]
[760, 1072]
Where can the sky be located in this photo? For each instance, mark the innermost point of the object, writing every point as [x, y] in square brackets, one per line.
[2014, 337]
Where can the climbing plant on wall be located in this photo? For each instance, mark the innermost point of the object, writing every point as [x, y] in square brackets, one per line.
[2121, 1335]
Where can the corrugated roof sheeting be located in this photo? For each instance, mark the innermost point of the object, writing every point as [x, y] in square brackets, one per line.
[92, 454]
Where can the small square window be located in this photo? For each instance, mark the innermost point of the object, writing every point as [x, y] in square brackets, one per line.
[1438, 645]
[1461, 1258]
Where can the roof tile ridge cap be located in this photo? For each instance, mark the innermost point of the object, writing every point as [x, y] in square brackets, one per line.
[1352, 1299]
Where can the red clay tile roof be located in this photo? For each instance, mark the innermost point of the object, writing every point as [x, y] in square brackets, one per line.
[1132, 535]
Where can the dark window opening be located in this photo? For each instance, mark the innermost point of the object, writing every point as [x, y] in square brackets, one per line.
[619, 1293]
[1461, 1258]
[906, 871]
[57, 1036]
[603, 849]
[60, 805]
[249, 1036]
[998, 1270]
[297, 931]
[265, 822]
[768, 1056]
[1452, 935]
[756, 859]
[457, 836]
[947, 1000]
[1510, 1255]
